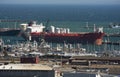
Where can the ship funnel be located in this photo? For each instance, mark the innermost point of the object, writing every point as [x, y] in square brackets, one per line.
[23, 26]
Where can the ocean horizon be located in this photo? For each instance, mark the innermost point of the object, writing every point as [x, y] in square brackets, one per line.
[81, 13]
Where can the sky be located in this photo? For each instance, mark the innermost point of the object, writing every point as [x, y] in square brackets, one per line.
[102, 2]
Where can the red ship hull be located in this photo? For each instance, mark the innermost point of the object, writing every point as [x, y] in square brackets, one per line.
[60, 35]
[84, 38]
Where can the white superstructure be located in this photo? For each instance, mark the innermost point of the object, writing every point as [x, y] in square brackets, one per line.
[33, 27]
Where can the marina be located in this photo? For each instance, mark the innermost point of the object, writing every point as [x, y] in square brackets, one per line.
[66, 57]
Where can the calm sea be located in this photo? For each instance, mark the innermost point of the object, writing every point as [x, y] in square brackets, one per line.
[72, 16]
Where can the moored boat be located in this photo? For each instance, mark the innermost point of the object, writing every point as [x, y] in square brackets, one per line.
[115, 26]
[33, 31]
[9, 32]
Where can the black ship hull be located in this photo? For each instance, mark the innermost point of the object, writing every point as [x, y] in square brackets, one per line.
[12, 32]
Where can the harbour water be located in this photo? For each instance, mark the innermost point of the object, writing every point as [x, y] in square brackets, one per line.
[74, 17]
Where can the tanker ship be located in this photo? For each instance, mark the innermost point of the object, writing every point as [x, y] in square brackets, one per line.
[32, 31]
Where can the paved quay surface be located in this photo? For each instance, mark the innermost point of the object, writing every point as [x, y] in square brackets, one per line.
[113, 69]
